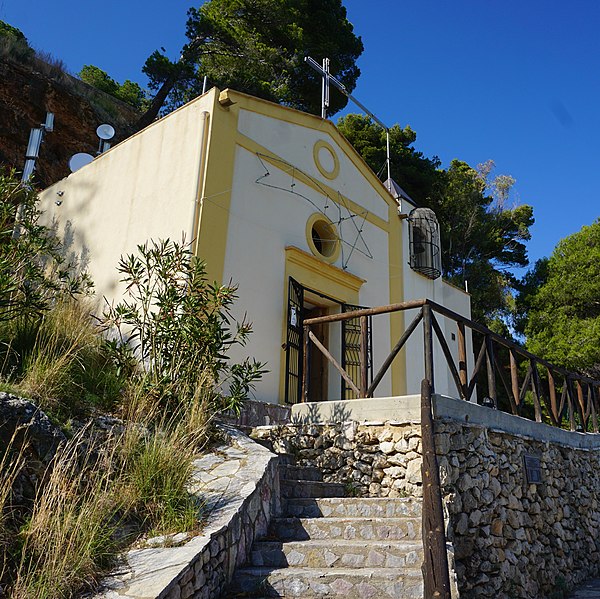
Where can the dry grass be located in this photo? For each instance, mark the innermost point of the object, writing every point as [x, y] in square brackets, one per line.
[95, 484]
[11, 465]
[70, 535]
[139, 476]
[64, 365]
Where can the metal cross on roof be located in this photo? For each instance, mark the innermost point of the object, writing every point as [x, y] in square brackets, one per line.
[328, 78]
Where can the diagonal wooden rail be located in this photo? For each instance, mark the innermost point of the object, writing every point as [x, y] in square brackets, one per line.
[508, 366]
[522, 376]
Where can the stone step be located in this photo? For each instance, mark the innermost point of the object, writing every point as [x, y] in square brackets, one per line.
[353, 507]
[366, 529]
[311, 488]
[338, 554]
[373, 583]
[291, 472]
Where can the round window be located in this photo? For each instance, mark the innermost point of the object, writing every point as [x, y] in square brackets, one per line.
[322, 237]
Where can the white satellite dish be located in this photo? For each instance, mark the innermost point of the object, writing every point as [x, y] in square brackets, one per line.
[105, 131]
[78, 160]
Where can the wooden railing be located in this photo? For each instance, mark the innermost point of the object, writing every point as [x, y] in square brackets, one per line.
[557, 396]
[577, 407]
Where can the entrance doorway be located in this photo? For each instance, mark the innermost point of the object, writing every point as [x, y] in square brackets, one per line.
[342, 341]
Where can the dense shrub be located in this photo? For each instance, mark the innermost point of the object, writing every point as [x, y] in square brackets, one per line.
[179, 326]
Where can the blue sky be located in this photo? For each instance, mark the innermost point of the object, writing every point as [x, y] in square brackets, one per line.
[517, 82]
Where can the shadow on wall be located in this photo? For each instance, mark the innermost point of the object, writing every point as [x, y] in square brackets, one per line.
[323, 412]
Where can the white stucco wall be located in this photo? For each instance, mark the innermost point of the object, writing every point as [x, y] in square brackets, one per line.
[267, 216]
[295, 144]
[144, 188]
[147, 187]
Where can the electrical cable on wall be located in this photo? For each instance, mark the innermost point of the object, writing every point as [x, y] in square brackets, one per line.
[341, 202]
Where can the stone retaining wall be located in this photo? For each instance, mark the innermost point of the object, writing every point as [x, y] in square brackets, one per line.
[511, 539]
[373, 459]
[240, 484]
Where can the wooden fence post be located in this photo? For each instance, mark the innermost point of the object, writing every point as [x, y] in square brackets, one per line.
[364, 356]
[436, 575]
[428, 345]
[491, 374]
[305, 365]
[462, 358]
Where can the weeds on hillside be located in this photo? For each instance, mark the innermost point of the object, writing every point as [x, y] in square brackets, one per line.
[166, 371]
[61, 360]
[70, 534]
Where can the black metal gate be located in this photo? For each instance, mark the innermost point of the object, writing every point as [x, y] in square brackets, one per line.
[351, 350]
[293, 344]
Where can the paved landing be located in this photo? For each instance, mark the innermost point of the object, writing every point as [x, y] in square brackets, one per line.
[588, 590]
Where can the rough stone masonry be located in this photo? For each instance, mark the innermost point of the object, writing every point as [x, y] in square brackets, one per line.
[512, 539]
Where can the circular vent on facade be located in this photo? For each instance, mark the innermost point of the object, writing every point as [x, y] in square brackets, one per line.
[322, 238]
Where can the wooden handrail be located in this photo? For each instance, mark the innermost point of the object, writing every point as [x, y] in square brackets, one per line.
[366, 312]
[583, 404]
[579, 392]
[458, 318]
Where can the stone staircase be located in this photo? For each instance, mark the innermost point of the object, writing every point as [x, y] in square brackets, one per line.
[326, 544]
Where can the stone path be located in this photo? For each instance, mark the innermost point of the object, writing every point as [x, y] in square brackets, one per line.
[588, 590]
[225, 479]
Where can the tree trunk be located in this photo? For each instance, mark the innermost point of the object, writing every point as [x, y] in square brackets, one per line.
[165, 89]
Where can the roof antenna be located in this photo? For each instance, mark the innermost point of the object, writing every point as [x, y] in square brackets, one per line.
[105, 132]
[32, 153]
[328, 78]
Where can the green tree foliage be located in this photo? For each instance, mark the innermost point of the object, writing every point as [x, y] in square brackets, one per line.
[7, 30]
[258, 47]
[178, 325]
[13, 43]
[563, 303]
[99, 79]
[419, 176]
[482, 237]
[128, 92]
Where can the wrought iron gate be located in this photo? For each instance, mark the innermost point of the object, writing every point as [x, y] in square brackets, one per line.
[294, 343]
[351, 350]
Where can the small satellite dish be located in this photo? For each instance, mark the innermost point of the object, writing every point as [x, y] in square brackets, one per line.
[105, 131]
[78, 160]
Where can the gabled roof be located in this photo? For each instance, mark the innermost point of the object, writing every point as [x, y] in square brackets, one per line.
[230, 96]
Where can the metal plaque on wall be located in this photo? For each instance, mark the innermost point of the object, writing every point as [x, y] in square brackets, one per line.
[533, 469]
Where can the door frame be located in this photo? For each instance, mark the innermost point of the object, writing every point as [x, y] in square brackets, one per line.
[320, 277]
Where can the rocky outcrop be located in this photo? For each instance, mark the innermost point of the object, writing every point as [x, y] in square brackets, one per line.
[25, 428]
[30, 89]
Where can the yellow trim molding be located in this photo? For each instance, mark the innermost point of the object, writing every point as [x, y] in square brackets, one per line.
[323, 145]
[319, 276]
[267, 156]
[325, 278]
[316, 123]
